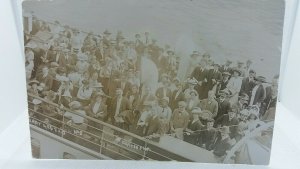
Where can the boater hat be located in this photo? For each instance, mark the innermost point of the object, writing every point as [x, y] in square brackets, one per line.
[260, 79]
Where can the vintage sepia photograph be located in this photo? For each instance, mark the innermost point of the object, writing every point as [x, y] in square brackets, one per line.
[159, 80]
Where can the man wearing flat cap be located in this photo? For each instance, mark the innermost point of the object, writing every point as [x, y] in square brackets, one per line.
[258, 93]
[193, 130]
[223, 104]
[208, 135]
[116, 107]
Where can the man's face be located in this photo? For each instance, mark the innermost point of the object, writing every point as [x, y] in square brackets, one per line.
[231, 115]
[223, 135]
[251, 75]
[134, 89]
[164, 103]
[222, 98]
[210, 124]
[34, 85]
[181, 107]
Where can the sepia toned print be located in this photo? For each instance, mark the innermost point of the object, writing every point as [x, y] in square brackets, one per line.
[162, 80]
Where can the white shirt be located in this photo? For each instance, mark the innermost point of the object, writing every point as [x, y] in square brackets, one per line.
[96, 107]
[143, 118]
[253, 95]
[119, 100]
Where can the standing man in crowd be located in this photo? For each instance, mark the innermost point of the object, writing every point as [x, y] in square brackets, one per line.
[200, 74]
[258, 93]
[248, 83]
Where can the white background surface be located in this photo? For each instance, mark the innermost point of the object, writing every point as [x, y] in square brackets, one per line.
[14, 134]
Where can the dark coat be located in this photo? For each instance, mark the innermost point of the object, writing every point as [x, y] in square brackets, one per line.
[113, 105]
[259, 95]
[154, 126]
[200, 75]
[212, 74]
[223, 108]
[193, 138]
[221, 146]
[175, 99]
[208, 137]
[247, 86]
[224, 121]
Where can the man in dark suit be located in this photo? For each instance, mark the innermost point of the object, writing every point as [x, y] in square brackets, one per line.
[116, 107]
[66, 59]
[223, 104]
[177, 95]
[200, 74]
[258, 93]
[164, 91]
[153, 129]
[248, 83]
[97, 109]
[214, 77]
[222, 144]
[45, 77]
[231, 121]
[120, 82]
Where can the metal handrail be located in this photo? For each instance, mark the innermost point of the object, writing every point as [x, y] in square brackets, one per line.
[100, 145]
[146, 141]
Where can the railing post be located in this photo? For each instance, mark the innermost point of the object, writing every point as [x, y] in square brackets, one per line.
[101, 140]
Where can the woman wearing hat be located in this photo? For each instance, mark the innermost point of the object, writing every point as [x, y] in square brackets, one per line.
[191, 83]
[234, 86]
[193, 101]
[192, 132]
